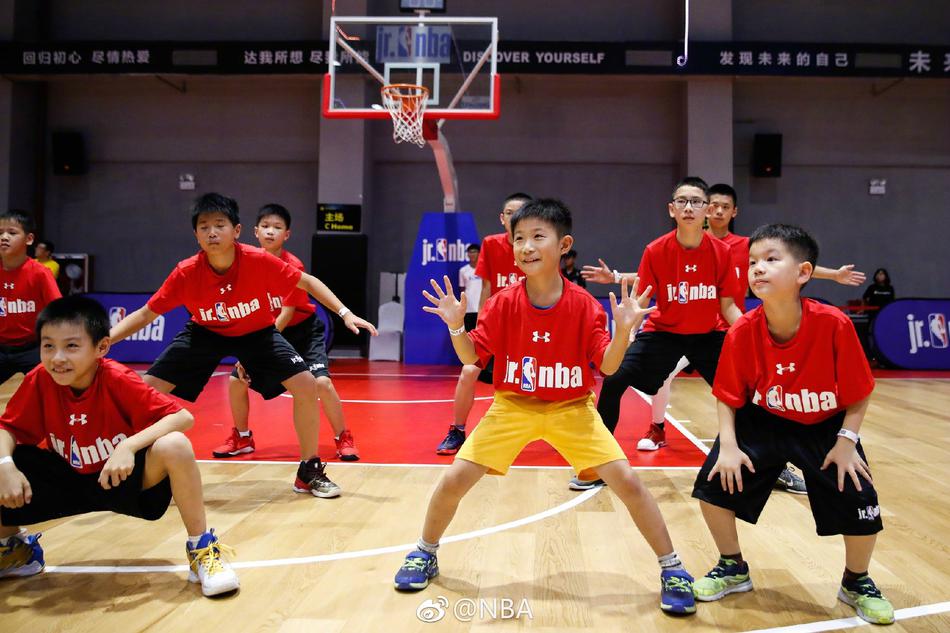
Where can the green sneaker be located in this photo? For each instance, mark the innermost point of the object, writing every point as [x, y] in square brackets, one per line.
[867, 600]
[726, 577]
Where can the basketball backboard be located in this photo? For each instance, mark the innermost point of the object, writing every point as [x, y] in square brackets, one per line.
[453, 57]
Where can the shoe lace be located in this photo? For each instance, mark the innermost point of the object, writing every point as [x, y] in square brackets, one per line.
[415, 563]
[676, 583]
[866, 587]
[721, 569]
[210, 557]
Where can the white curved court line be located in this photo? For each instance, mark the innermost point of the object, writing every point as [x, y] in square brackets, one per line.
[847, 623]
[322, 558]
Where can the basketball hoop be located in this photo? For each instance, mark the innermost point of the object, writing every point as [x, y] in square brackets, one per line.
[406, 104]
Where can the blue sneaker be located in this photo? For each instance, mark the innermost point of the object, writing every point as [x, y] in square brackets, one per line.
[452, 442]
[22, 556]
[416, 571]
[676, 592]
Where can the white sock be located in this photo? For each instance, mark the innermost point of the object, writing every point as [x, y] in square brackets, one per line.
[193, 540]
[670, 561]
[427, 547]
[246, 433]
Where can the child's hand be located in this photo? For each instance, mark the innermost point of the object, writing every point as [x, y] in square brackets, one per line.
[354, 323]
[118, 467]
[848, 276]
[729, 466]
[598, 274]
[450, 309]
[844, 455]
[15, 491]
[242, 374]
[630, 312]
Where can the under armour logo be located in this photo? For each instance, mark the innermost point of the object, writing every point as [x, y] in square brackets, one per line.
[781, 370]
[73, 419]
[691, 269]
[8, 286]
[536, 336]
[224, 289]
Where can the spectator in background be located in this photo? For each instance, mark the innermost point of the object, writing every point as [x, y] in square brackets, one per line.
[471, 284]
[570, 271]
[44, 255]
[880, 292]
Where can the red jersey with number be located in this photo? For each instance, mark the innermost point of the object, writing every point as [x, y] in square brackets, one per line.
[84, 429]
[238, 302]
[542, 352]
[818, 373]
[496, 263]
[297, 299]
[739, 250]
[24, 292]
[687, 283]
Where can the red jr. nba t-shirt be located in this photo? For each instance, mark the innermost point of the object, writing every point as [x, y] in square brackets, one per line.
[821, 371]
[297, 299]
[687, 283]
[236, 303]
[545, 353]
[496, 263]
[739, 250]
[24, 292]
[84, 429]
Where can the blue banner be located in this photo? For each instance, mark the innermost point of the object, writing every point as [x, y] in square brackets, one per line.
[439, 250]
[145, 345]
[912, 333]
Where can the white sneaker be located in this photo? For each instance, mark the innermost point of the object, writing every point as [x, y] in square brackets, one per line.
[653, 440]
[205, 566]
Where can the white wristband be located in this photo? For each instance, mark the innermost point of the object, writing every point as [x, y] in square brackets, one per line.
[457, 332]
[617, 276]
[6, 460]
[343, 311]
[851, 435]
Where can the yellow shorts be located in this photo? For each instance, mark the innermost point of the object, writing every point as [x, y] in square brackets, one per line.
[572, 427]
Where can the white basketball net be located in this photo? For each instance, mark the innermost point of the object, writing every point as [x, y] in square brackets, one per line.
[406, 104]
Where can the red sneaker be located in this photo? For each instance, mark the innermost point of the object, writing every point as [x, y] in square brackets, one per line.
[346, 447]
[654, 439]
[235, 445]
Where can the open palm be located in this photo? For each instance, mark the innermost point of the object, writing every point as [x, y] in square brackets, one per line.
[449, 309]
[630, 311]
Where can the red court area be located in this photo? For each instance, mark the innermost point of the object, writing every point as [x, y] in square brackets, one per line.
[399, 414]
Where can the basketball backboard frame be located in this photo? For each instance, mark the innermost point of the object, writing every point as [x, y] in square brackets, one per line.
[343, 44]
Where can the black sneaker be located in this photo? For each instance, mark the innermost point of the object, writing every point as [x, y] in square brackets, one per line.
[452, 442]
[312, 478]
[790, 482]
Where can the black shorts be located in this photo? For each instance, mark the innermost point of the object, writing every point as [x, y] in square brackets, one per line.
[18, 359]
[309, 340]
[471, 320]
[60, 491]
[649, 361]
[770, 441]
[487, 375]
[191, 358]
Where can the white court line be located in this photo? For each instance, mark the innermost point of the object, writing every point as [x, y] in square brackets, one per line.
[322, 558]
[679, 426]
[847, 623]
[385, 465]
[287, 395]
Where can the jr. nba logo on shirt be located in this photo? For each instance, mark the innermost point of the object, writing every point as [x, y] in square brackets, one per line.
[529, 373]
[220, 311]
